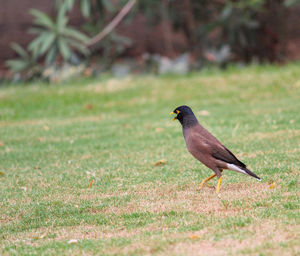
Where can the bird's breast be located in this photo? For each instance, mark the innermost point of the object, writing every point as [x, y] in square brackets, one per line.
[189, 141]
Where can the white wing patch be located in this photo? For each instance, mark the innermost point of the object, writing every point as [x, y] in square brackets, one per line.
[235, 168]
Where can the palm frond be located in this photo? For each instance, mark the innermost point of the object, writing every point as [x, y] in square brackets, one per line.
[20, 50]
[64, 49]
[17, 65]
[73, 33]
[79, 47]
[42, 19]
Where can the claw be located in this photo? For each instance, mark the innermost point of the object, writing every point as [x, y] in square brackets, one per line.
[206, 180]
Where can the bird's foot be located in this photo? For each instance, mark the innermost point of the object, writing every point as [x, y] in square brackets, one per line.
[200, 187]
[206, 180]
[210, 186]
[207, 184]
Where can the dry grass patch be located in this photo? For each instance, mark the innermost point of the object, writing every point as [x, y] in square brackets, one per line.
[200, 242]
[282, 134]
[157, 198]
[112, 85]
[81, 232]
[47, 123]
[257, 235]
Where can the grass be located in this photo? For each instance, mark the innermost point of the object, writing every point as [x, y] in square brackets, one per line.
[56, 139]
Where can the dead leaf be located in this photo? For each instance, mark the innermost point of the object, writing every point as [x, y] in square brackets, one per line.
[272, 186]
[41, 139]
[72, 241]
[1, 144]
[39, 237]
[91, 183]
[194, 237]
[160, 162]
[1, 173]
[85, 157]
[46, 128]
[158, 129]
[89, 106]
[88, 72]
[204, 113]
[43, 235]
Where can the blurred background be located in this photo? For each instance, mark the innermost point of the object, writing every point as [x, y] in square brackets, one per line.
[56, 40]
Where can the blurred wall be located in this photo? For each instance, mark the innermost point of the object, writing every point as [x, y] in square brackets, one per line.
[292, 46]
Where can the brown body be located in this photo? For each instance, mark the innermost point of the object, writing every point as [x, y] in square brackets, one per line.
[207, 149]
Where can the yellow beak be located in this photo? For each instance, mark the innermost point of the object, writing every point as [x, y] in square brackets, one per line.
[174, 118]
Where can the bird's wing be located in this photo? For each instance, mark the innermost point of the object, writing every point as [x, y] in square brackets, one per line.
[216, 148]
[220, 152]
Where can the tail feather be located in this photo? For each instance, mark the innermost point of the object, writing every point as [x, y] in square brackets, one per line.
[242, 169]
[250, 173]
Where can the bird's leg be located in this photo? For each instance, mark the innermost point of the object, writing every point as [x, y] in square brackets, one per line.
[206, 180]
[219, 185]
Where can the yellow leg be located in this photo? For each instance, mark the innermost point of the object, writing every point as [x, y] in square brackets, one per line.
[219, 185]
[206, 180]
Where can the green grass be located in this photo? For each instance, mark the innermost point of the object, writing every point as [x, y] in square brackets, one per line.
[56, 139]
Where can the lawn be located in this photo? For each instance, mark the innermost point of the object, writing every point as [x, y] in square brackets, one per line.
[78, 173]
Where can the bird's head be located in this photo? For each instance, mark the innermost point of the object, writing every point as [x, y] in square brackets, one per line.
[182, 112]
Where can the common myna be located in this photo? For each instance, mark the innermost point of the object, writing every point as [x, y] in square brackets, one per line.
[206, 148]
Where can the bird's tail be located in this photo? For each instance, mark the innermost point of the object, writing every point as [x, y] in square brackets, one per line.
[242, 169]
[250, 173]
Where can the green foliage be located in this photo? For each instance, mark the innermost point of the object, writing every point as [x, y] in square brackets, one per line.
[25, 63]
[55, 37]
[85, 6]
[114, 44]
[289, 3]
[239, 23]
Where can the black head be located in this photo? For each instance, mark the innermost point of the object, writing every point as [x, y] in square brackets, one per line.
[185, 116]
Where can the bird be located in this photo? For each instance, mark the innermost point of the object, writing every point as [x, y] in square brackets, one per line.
[207, 148]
